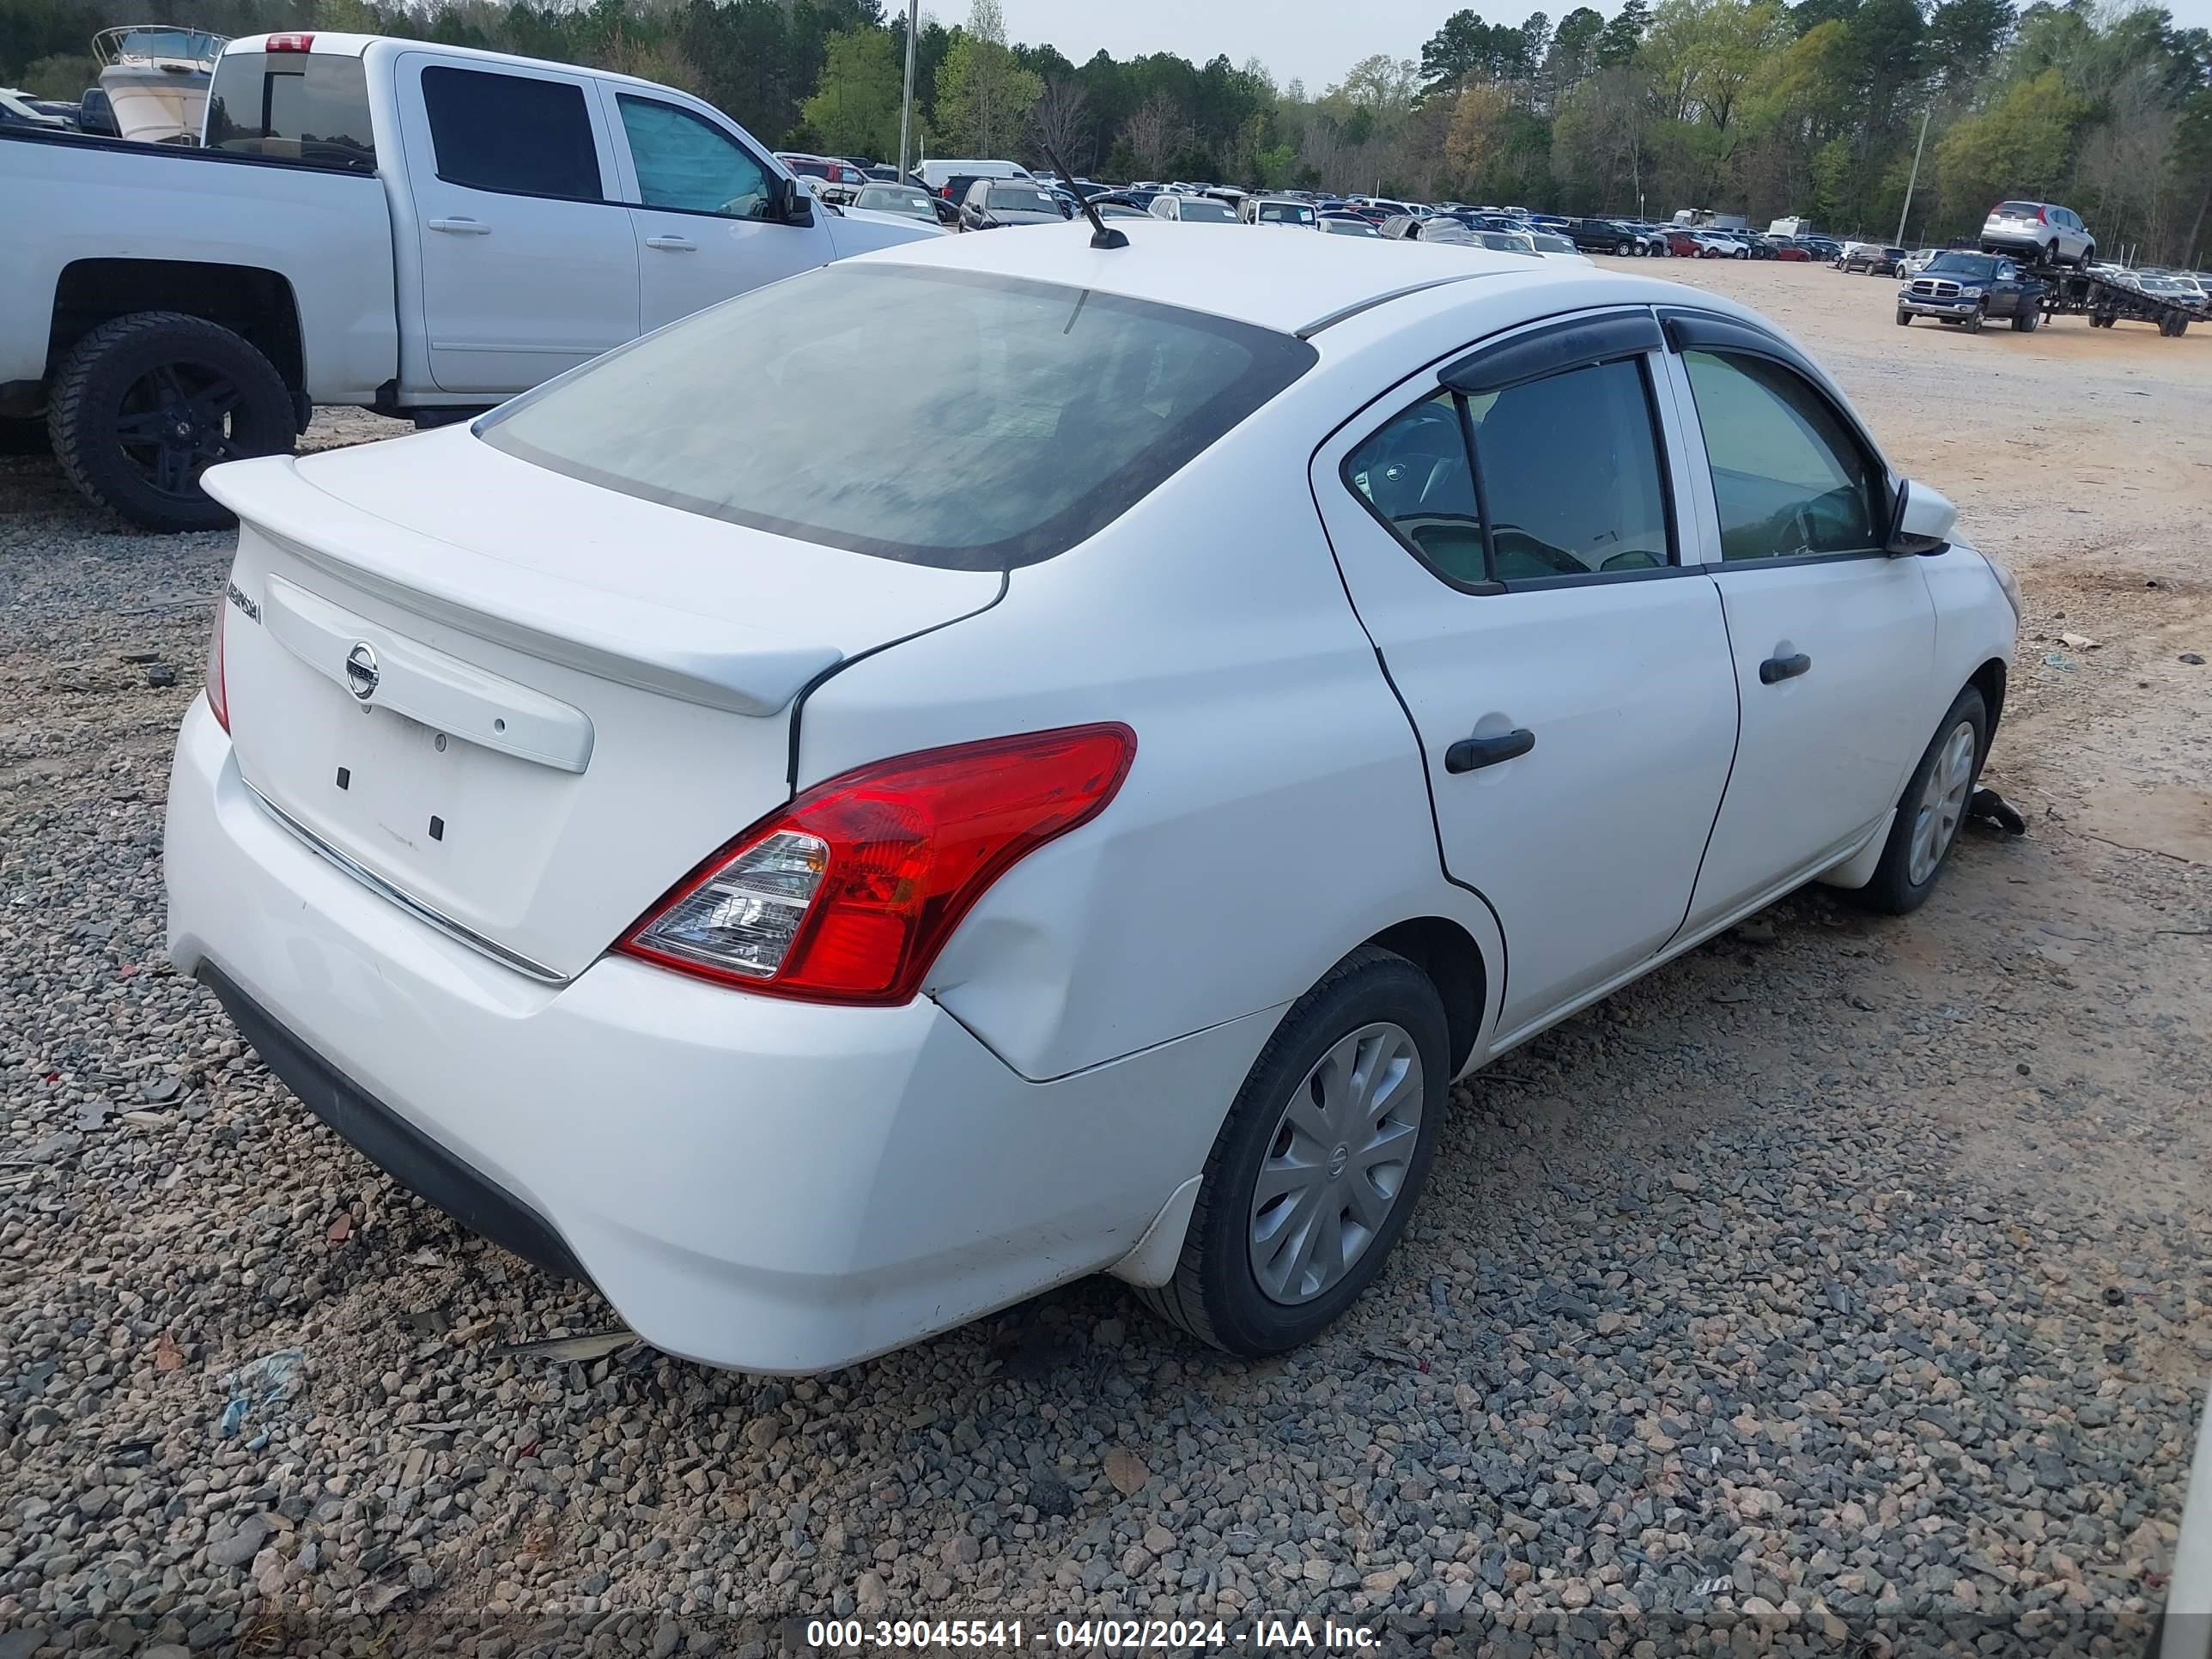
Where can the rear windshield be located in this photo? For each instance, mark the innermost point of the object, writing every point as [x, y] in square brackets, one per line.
[951, 418]
[2017, 210]
[301, 105]
[1285, 213]
[1020, 198]
[1206, 212]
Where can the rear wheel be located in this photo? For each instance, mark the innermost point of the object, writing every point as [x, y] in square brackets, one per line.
[145, 404]
[1932, 810]
[1319, 1164]
[2025, 319]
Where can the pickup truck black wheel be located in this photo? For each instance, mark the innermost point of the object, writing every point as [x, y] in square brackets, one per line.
[1975, 319]
[145, 404]
[2024, 319]
[1319, 1163]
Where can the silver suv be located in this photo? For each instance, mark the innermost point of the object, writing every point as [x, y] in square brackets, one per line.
[2043, 231]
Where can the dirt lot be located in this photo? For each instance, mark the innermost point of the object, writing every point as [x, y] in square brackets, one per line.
[1844, 1283]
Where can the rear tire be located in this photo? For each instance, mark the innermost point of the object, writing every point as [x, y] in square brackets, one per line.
[2025, 319]
[1373, 1013]
[1931, 811]
[145, 404]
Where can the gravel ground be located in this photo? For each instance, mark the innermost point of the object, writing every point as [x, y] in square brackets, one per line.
[1841, 1288]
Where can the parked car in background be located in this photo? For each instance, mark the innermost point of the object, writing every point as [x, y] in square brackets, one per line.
[1826, 248]
[2166, 286]
[1683, 243]
[1604, 236]
[18, 109]
[1193, 209]
[1789, 249]
[992, 202]
[1969, 289]
[951, 177]
[1348, 224]
[898, 204]
[1278, 211]
[841, 180]
[1718, 244]
[901, 201]
[1873, 258]
[967, 964]
[2040, 230]
[419, 229]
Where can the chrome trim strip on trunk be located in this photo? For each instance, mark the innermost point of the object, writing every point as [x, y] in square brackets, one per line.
[414, 907]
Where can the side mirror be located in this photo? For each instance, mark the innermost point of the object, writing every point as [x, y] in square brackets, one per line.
[1920, 521]
[789, 203]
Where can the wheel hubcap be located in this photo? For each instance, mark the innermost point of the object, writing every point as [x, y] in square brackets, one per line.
[175, 422]
[1336, 1164]
[1942, 803]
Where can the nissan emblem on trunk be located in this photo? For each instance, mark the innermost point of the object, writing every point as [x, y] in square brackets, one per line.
[362, 671]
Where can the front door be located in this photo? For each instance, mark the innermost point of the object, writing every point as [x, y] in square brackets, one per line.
[1834, 643]
[528, 268]
[1569, 678]
[701, 214]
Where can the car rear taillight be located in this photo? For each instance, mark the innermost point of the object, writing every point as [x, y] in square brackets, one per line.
[847, 894]
[294, 42]
[218, 695]
[2041, 217]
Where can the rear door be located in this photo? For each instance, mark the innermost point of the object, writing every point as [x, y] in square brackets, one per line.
[529, 265]
[700, 213]
[1833, 641]
[1568, 676]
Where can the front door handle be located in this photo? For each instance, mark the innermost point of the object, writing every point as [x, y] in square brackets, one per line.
[672, 243]
[1470, 753]
[1775, 670]
[461, 226]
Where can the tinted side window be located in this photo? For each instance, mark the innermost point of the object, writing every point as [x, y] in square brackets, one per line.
[1789, 478]
[1569, 479]
[1571, 474]
[686, 163]
[510, 133]
[1415, 476]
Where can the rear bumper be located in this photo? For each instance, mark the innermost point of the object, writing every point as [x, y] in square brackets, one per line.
[756, 1183]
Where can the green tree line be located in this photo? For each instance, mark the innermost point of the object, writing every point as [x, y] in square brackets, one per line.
[1755, 107]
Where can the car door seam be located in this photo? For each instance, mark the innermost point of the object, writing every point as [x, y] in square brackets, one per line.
[1735, 749]
[1420, 748]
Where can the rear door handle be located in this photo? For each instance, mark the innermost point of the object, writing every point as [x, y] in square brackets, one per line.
[461, 226]
[1777, 669]
[1471, 754]
[672, 243]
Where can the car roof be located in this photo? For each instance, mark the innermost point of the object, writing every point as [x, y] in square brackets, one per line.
[1227, 270]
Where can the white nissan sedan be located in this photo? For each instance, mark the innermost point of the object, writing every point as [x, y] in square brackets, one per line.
[1231, 698]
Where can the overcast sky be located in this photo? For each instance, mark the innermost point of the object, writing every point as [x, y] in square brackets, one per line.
[1311, 40]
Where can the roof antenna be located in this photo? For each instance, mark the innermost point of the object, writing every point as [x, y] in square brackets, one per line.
[1101, 233]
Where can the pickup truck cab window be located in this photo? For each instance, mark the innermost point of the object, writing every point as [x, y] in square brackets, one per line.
[299, 106]
[1789, 478]
[516, 134]
[686, 164]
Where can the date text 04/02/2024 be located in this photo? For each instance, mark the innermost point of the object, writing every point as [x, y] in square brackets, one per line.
[1261, 1636]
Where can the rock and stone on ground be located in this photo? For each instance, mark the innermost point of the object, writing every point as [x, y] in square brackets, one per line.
[1845, 1280]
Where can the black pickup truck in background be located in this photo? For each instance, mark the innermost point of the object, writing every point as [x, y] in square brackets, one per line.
[1970, 289]
[1602, 236]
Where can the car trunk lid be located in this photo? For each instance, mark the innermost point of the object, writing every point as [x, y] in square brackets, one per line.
[521, 705]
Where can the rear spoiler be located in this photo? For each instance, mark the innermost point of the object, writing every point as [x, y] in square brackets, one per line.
[710, 661]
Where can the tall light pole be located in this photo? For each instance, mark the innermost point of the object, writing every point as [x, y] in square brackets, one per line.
[1915, 178]
[906, 104]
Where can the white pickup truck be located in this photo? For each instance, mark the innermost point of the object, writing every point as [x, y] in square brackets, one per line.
[417, 230]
